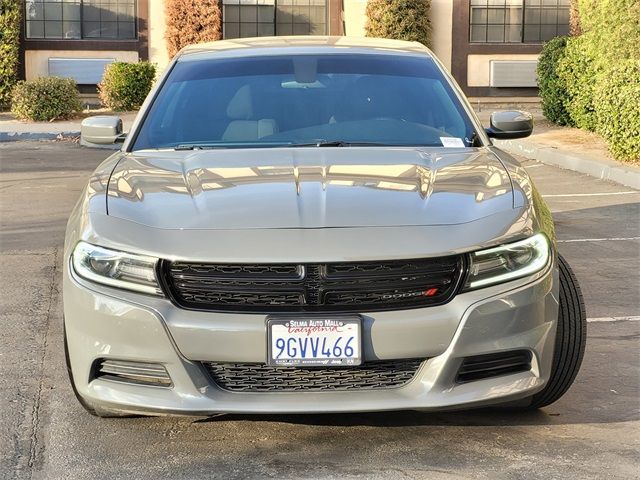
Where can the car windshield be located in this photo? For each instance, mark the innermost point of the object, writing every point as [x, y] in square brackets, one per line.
[305, 100]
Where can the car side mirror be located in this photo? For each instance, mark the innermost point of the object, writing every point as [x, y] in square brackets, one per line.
[101, 131]
[510, 124]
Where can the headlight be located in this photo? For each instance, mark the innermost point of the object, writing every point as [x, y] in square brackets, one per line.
[116, 269]
[508, 262]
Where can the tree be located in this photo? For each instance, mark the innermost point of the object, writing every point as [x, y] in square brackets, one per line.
[192, 21]
[574, 19]
[10, 18]
[399, 19]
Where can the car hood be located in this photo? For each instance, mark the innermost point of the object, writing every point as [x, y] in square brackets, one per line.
[308, 188]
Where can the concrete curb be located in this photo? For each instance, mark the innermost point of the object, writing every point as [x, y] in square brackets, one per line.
[605, 169]
[22, 136]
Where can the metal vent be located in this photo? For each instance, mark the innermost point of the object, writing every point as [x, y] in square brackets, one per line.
[258, 377]
[140, 373]
[514, 73]
[85, 71]
[494, 365]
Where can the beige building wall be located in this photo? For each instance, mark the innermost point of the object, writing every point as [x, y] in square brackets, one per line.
[442, 26]
[441, 22]
[479, 67]
[36, 62]
[157, 27]
[354, 17]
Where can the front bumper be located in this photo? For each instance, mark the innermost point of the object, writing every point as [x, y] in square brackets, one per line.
[103, 323]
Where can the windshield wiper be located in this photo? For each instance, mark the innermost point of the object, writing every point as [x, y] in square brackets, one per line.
[318, 144]
[209, 146]
[195, 146]
[339, 143]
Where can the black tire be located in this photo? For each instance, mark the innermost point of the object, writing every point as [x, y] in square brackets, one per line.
[571, 339]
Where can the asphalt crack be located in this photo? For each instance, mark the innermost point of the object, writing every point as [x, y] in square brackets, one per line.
[35, 416]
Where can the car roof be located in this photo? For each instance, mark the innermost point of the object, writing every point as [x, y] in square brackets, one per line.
[303, 43]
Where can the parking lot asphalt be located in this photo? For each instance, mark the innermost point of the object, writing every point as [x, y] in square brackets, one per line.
[592, 432]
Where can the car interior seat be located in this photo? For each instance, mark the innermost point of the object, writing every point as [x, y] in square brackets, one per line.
[243, 126]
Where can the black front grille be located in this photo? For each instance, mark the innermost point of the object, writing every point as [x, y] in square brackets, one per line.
[494, 365]
[326, 287]
[259, 377]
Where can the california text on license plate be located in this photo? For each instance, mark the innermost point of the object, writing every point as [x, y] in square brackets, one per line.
[320, 341]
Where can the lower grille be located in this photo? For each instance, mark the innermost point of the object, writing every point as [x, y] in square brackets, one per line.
[258, 377]
[494, 365]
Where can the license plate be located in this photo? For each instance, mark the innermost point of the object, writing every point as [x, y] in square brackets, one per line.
[320, 341]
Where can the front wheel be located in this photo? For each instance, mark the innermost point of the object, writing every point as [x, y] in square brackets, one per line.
[571, 338]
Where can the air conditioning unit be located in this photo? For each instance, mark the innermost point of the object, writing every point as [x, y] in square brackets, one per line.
[513, 73]
[85, 71]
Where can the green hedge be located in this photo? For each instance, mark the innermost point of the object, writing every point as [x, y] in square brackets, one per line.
[124, 86]
[553, 93]
[577, 73]
[617, 97]
[598, 79]
[10, 18]
[399, 19]
[46, 98]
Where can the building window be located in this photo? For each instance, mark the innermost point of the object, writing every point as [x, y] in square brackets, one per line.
[81, 19]
[243, 18]
[301, 17]
[260, 18]
[518, 21]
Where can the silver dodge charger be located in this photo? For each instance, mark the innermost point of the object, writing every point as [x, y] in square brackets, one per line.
[314, 224]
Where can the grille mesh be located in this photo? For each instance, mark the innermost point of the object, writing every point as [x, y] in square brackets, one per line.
[258, 377]
[344, 287]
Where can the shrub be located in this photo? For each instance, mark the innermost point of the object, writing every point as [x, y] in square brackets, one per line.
[10, 19]
[577, 73]
[552, 89]
[612, 27]
[192, 21]
[600, 73]
[46, 98]
[399, 19]
[617, 100]
[596, 76]
[124, 86]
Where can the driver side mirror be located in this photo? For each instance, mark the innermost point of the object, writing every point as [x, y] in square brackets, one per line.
[510, 124]
[102, 131]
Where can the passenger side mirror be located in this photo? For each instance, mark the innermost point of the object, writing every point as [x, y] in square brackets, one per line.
[510, 124]
[103, 131]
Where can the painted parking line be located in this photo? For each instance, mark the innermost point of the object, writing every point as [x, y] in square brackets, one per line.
[613, 319]
[598, 194]
[610, 239]
[534, 165]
